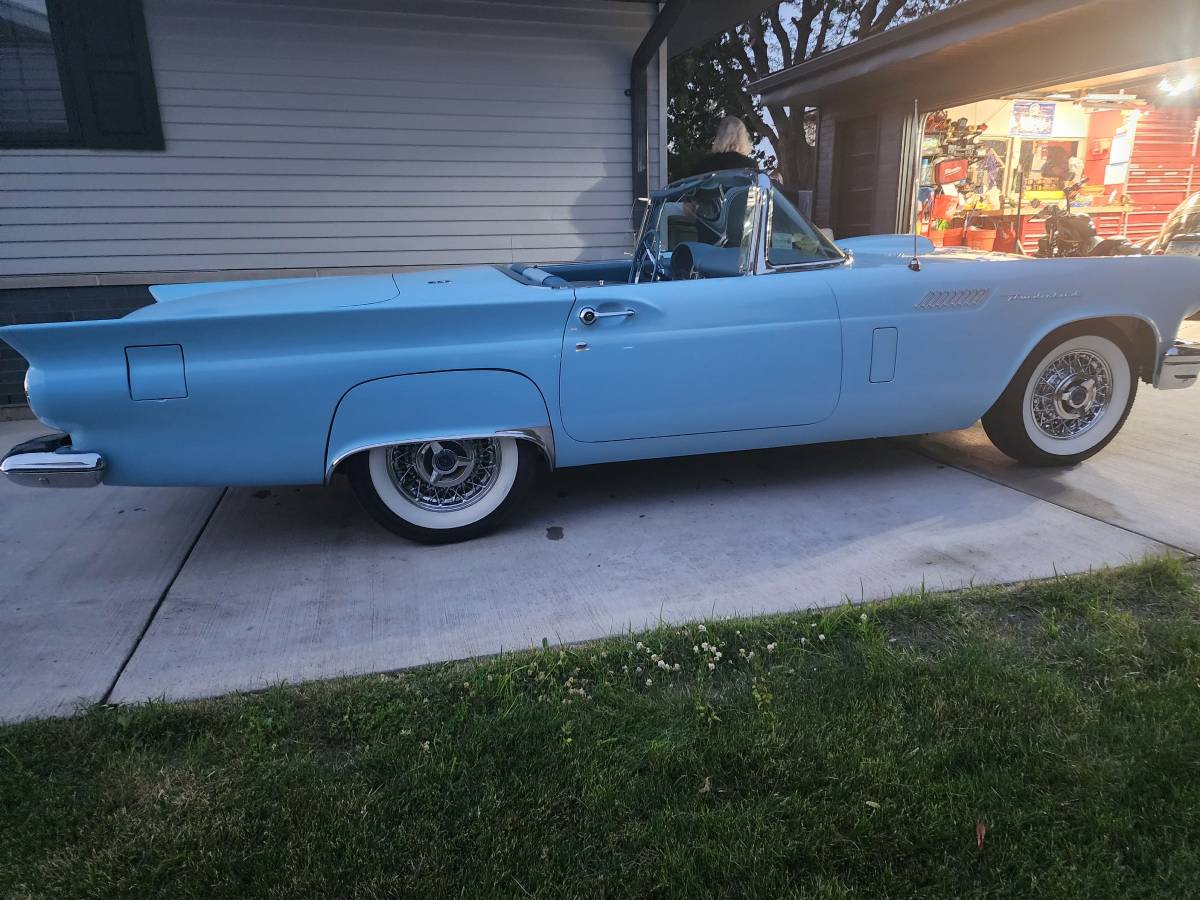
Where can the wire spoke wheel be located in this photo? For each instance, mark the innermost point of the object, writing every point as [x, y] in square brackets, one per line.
[443, 490]
[443, 476]
[1071, 394]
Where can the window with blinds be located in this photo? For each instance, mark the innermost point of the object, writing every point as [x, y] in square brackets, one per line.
[31, 90]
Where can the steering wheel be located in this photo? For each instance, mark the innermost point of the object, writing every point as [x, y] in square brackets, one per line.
[643, 254]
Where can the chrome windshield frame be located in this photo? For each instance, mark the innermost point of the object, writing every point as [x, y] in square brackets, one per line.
[760, 204]
[762, 228]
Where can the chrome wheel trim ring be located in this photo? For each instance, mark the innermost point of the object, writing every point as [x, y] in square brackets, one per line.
[426, 476]
[1071, 394]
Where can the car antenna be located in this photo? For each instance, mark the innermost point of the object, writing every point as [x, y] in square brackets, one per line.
[915, 264]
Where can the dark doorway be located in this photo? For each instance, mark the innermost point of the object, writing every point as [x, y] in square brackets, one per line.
[856, 143]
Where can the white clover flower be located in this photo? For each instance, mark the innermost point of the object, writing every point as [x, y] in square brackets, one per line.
[624, 668]
[654, 657]
[641, 646]
[741, 651]
[820, 637]
[649, 681]
[863, 617]
[695, 649]
[750, 656]
[425, 746]
[701, 629]
[639, 668]
[771, 646]
[717, 654]
[662, 664]
[675, 668]
[803, 640]
[711, 666]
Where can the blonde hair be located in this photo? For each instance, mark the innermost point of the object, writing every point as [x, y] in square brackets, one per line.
[732, 137]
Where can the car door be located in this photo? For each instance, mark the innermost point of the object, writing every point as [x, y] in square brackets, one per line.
[704, 355]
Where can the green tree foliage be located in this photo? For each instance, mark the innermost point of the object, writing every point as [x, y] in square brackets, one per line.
[712, 81]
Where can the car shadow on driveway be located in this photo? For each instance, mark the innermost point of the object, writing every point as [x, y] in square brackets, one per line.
[295, 583]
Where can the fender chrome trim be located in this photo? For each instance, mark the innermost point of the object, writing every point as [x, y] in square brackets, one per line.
[48, 461]
[1179, 366]
[540, 435]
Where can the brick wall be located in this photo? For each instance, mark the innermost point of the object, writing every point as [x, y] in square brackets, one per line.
[76, 304]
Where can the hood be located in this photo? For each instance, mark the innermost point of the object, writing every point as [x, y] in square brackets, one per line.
[877, 249]
[897, 249]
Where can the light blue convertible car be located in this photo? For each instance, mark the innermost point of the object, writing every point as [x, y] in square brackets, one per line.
[737, 324]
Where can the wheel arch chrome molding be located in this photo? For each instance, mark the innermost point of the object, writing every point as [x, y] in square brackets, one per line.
[542, 436]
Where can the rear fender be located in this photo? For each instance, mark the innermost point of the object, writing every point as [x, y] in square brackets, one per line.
[472, 403]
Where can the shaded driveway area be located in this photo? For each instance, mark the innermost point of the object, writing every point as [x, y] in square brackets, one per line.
[123, 594]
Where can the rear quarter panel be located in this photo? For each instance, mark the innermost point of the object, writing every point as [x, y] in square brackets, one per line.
[262, 389]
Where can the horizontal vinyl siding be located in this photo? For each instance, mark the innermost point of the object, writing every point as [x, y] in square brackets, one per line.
[326, 135]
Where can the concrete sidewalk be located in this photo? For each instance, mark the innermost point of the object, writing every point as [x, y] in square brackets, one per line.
[134, 593]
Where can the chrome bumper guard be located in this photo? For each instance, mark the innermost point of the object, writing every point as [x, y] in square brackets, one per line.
[49, 461]
[1180, 366]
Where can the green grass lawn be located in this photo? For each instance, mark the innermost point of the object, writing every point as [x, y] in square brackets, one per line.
[1039, 741]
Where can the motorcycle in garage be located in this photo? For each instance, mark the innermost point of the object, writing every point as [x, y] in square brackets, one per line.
[1074, 233]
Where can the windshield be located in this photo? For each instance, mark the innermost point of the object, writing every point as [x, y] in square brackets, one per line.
[716, 209]
[792, 240]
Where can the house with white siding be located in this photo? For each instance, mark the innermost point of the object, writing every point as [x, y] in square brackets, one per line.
[154, 141]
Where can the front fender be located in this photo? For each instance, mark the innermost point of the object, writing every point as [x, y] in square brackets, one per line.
[403, 409]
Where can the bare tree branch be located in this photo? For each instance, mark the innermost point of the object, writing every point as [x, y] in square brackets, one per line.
[884, 17]
[823, 30]
[781, 35]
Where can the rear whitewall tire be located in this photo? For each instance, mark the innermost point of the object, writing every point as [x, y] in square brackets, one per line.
[1068, 399]
[385, 495]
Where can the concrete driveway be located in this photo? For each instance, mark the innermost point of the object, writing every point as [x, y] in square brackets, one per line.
[122, 594]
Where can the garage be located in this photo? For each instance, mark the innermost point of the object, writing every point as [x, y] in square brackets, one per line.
[986, 112]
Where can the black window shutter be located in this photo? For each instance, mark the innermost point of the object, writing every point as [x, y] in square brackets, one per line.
[107, 59]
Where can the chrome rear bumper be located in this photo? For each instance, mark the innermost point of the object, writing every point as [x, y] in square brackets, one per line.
[1179, 367]
[49, 461]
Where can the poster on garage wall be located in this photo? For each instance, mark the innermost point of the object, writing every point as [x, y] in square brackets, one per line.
[1032, 118]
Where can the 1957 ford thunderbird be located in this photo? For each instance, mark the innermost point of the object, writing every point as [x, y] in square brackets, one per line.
[737, 324]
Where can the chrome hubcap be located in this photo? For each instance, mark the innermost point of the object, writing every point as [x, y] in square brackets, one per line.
[1071, 394]
[444, 475]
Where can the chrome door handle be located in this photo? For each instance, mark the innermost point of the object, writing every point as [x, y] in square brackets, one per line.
[588, 316]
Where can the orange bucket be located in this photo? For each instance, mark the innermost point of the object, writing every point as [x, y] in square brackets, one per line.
[952, 237]
[981, 238]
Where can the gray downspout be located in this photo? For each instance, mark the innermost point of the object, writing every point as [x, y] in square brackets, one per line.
[638, 92]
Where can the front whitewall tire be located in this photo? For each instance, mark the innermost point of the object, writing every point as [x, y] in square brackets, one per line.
[1068, 399]
[1088, 345]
